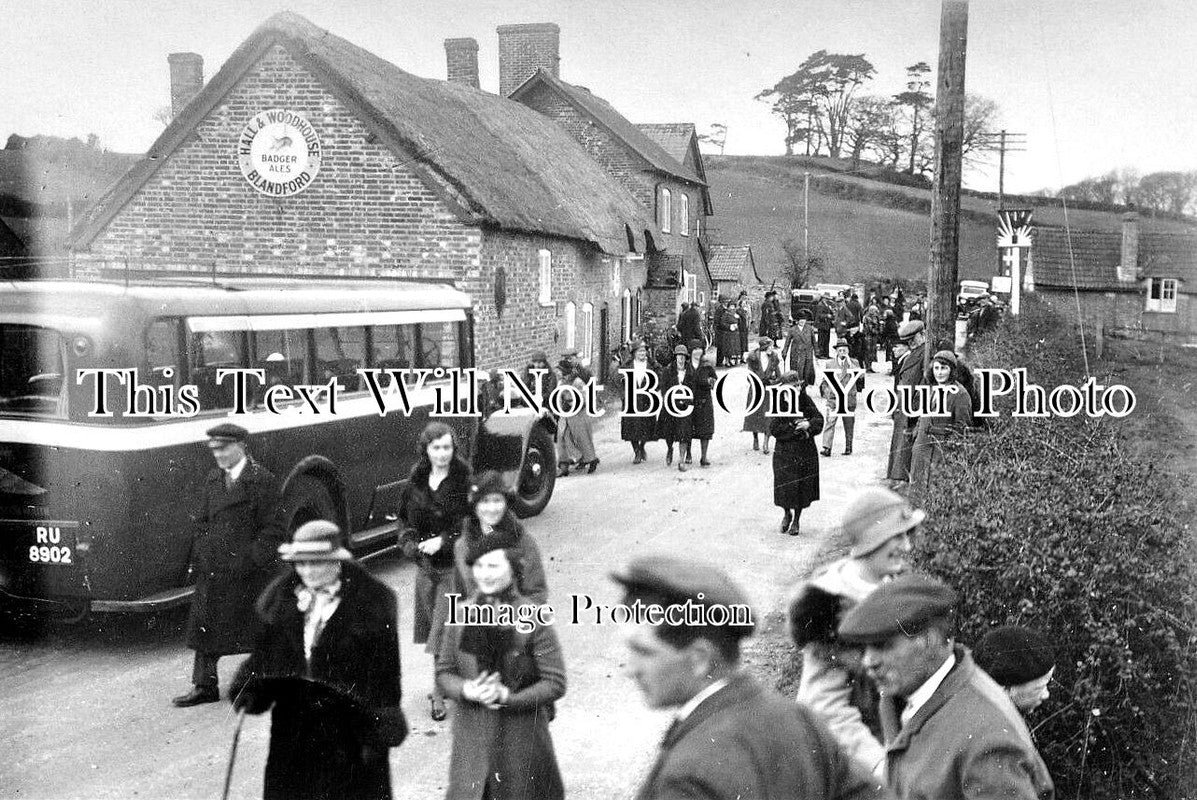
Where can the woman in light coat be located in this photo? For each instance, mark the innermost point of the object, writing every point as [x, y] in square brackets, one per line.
[504, 681]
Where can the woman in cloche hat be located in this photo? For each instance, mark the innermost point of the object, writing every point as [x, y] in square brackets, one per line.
[327, 660]
[635, 429]
[877, 527]
[671, 427]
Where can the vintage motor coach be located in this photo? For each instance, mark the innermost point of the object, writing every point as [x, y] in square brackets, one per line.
[95, 510]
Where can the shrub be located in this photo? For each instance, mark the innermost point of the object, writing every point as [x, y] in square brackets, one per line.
[1049, 523]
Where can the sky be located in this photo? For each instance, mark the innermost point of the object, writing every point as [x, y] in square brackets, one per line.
[1094, 84]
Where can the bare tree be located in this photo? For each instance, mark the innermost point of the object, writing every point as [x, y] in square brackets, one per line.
[872, 126]
[799, 269]
[716, 136]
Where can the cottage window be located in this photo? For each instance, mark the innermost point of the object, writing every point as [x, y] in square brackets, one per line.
[684, 222]
[665, 210]
[698, 226]
[1161, 295]
[625, 316]
[571, 325]
[616, 276]
[689, 287]
[587, 344]
[545, 259]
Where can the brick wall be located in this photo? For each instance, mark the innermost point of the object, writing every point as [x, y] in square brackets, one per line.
[1124, 311]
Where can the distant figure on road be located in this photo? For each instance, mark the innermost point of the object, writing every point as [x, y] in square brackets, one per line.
[702, 419]
[765, 364]
[689, 323]
[795, 458]
[798, 350]
[327, 660]
[878, 525]
[731, 739]
[234, 556]
[744, 322]
[824, 322]
[908, 373]
[575, 437]
[638, 430]
[959, 736]
[771, 319]
[727, 340]
[839, 370]
[504, 683]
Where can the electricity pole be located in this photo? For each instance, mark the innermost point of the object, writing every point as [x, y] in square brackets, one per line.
[943, 268]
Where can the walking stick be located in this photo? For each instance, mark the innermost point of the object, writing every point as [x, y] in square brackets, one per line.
[228, 775]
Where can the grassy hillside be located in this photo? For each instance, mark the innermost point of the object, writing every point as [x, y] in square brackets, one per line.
[860, 227]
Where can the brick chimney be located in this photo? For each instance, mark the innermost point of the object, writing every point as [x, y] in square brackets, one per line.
[1128, 267]
[186, 79]
[462, 58]
[525, 48]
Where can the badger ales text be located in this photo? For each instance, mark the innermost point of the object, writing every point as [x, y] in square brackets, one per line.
[455, 392]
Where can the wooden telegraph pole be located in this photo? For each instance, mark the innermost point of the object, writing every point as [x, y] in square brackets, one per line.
[943, 269]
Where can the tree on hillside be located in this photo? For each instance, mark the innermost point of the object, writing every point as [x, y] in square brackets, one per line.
[817, 99]
[1100, 189]
[1168, 191]
[872, 127]
[916, 103]
[716, 136]
[981, 115]
[796, 267]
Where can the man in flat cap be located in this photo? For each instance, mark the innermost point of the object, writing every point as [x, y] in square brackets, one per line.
[959, 735]
[909, 372]
[731, 737]
[238, 532]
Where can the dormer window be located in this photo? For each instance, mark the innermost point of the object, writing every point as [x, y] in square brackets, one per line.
[665, 211]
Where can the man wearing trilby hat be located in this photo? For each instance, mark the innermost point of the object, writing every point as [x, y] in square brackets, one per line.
[327, 660]
[233, 555]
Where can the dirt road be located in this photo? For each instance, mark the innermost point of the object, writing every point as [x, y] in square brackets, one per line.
[85, 712]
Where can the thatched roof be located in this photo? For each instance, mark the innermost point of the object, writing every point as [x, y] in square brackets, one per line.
[493, 160]
[602, 112]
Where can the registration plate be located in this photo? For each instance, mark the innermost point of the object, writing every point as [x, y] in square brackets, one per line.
[51, 543]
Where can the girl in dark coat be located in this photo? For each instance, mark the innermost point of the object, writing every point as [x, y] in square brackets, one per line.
[431, 510]
[765, 364]
[327, 660]
[504, 681]
[638, 430]
[702, 419]
[795, 457]
[930, 431]
[670, 427]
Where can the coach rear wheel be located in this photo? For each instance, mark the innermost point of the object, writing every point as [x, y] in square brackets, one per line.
[538, 474]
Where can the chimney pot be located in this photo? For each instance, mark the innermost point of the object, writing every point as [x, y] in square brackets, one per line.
[1128, 268]
[462, 58]
[186, 79]
[525, 48]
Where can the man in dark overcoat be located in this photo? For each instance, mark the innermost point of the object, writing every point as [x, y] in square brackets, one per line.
[798, 350]
[731, 736]
[824, 322]
[689, 323]
[234, 555]
[327, 661]
[909, 373]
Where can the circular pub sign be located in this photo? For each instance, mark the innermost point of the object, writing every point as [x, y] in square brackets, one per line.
[279, 152]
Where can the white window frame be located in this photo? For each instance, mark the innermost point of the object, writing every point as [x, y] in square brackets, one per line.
[689, 287]
[587, 345]
[544, 259]
[1161, 295]
[616, 276]
[684, 220]
[698, 225]
[665, 211]
[571, 325]
[625, 316]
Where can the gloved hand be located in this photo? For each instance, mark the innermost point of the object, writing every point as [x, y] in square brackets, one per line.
[251, 701]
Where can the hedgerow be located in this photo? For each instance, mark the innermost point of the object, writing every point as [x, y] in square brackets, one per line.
[1051, 523]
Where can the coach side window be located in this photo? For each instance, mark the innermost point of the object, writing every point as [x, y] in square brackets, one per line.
[340, 352]
[209, 351]
[439, 345]
[161, 354]
[283, 355]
